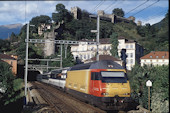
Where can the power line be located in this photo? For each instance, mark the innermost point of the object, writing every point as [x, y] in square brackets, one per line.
[95, 7]
[154, 16]
[110, 5]
[114, 5]
[25, 11]
[137, 7]
[146, 7]
[98, 5]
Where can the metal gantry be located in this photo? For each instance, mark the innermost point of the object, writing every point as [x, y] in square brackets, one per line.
[36, 67]
[97, 34]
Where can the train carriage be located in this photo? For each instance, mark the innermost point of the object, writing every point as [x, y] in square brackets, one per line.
[102, 83]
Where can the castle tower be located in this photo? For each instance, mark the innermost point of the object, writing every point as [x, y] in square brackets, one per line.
[49, 48]
[76, 12]
[139, 23]
[132, 18]
[100, 12]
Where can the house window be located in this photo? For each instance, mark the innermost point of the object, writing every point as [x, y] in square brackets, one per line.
[92, 48]
[127, 46]
[131, 55]
[131, 46]
[127, 61]
[150, 56]
[131, 61]
[127, 55]
[156, 56]
[84, 56]
[104, 48]
[163, 56]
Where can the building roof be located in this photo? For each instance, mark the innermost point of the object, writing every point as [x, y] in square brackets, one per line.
[106, 57]
[106, 40]
[1, 60]
[157, 55]
[4, 56]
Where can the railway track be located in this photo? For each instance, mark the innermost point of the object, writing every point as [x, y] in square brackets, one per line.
[60, 102]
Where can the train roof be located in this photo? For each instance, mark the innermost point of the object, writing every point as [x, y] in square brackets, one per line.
[59, 70]
[103, 64]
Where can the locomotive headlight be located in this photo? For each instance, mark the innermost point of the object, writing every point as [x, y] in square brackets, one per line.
[105, 93]
[126, 94]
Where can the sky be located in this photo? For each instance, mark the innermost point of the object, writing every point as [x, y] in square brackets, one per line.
[147, 11]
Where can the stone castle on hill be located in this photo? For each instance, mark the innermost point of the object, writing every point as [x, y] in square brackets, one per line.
[50, 47]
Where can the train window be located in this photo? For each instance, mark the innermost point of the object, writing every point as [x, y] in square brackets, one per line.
[95, 76]
[112, 74]
[113, 77]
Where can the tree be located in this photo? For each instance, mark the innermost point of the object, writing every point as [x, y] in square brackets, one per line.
[159, 91]
[118, 12]
[40, 19]
[13, 37]
[11, 89]
[114, 42]
[62, 14]
[4, 46]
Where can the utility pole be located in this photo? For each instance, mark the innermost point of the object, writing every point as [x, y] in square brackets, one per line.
[26, 64]
[47, 66]
[97, 36]
[61, 51]
[97, 40]
[66, 50]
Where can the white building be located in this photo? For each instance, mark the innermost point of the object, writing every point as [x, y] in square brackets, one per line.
[155, 58]
[133, 51]
[85, 51]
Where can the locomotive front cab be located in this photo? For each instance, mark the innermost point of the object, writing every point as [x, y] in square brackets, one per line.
[111, 86]
[115, 83]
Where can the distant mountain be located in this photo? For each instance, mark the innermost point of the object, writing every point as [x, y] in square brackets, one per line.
[6, 30]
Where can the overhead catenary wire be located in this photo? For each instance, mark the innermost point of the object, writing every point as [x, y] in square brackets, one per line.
[94, 9]
[154, 16]
[96, 6]
[145, 8]
[110, 5]
[25, 11]
[137, 7]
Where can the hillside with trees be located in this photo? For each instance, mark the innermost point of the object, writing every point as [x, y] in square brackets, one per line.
[149, 36]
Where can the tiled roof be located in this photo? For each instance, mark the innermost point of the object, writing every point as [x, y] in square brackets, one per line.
[4, 56]
[157, 55]
[101, 40]
[1, 60]
[106, 40]
[105, 57]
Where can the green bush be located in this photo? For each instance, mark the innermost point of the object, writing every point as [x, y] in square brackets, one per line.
[13, 86]
[159, 90]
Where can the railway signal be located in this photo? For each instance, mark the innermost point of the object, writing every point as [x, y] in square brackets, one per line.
[123, 57]
[149, 84]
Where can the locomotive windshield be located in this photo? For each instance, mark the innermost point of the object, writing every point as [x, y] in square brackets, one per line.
[112, 74]
[113, 77]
